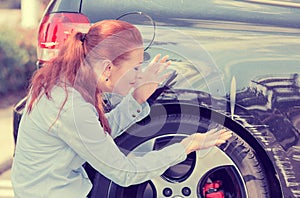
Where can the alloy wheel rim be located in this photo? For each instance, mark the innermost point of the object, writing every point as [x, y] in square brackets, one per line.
[191, 182]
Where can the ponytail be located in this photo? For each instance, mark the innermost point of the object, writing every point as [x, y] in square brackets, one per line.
[70, 69]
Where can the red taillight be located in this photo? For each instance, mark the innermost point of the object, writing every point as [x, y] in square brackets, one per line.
[55, 29]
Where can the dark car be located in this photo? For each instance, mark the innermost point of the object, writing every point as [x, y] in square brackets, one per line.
[236, 65]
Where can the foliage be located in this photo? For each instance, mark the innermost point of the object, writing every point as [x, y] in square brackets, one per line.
[17, 60]
[10, 4]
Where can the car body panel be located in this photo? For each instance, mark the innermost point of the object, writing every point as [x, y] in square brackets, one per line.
[172, 11]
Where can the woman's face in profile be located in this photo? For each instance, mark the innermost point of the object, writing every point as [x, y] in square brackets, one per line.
[123, 77]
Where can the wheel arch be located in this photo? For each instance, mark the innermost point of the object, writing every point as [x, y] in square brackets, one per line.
[224, 119]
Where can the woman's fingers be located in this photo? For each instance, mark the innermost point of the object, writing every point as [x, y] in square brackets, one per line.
[153, 73]
[223, 134]
[148, 80]
[161, 75]
[156, 63]
[164, 59]
[226, 135]
[198, 141]
[219, 142]
[156, 58]
[153, 63]
[214, 137]
[217, 131]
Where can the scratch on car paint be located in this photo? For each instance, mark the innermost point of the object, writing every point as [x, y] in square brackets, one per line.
[296, 153]
[286, 169]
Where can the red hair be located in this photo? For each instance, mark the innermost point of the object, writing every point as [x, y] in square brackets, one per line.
[108, 39]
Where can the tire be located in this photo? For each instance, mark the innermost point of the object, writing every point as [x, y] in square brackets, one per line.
[233, 166]
[252, 171]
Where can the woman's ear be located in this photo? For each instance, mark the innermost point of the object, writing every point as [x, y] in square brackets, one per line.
[102, 69]
[107, 69]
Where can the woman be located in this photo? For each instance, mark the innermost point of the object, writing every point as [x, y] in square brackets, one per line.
[64, 124]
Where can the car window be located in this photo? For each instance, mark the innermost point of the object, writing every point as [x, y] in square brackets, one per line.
[64, 6]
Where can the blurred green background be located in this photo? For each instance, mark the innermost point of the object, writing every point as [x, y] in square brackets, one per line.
[17, 59]
[17, 51]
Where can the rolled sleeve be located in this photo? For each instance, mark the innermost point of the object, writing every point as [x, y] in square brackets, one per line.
[126, 113]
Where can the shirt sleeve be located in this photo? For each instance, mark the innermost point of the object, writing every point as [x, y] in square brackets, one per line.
[126, 113]
[82, 131]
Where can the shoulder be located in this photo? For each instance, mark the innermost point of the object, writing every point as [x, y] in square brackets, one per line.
[72, 101]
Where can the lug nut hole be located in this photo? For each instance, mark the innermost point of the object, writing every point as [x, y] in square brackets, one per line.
[186, 191]
[167, 192]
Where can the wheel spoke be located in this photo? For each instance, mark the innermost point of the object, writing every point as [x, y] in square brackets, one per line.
[207, 160]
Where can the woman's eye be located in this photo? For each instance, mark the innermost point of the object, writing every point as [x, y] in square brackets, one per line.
[136, 68]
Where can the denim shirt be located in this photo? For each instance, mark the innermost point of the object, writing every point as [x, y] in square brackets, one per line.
[51, 150]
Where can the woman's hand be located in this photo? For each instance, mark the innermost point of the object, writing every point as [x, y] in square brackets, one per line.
[206, 140]
[149, 79]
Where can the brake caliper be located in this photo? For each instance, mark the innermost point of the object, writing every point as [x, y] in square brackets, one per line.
[213, 190]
